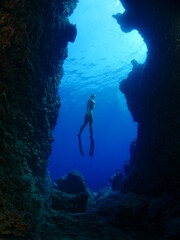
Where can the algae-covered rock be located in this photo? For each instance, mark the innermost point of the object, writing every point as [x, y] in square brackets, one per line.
[32, 51]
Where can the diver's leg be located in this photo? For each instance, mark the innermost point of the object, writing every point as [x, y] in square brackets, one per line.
[79, 134]
[83, 126]
[91, 152]
[80, 146]
[91, 126]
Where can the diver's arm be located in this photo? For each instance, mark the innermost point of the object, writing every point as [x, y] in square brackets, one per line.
[90, 106]
[93, 102]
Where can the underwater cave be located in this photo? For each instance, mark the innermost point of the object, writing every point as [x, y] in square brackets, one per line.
[40, 119]
[97, 61]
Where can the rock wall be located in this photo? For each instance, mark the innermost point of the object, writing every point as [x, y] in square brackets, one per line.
[153, 96]
[33, 41]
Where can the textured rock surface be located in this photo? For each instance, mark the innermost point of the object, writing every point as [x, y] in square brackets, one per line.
[61, 226]
[69, 202]
[139, 216]
[74, 183]
[152, 93]
[33, 40]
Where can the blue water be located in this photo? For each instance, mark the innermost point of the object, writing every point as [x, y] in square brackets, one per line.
[97, 61]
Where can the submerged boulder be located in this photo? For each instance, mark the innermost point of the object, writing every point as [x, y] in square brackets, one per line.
[74, 183]
[71, 203]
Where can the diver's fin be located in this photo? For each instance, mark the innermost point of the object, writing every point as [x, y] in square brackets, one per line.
[80, 145]
[91, 152]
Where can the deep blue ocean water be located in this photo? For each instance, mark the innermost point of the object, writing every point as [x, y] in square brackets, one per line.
[97, 61]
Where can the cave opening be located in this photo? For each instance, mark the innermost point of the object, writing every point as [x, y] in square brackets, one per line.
[97, 61]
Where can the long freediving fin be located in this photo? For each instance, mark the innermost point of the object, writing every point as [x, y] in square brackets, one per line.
[80, 145]
[91, 152]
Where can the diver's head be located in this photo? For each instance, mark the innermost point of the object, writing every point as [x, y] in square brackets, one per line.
[93, 96]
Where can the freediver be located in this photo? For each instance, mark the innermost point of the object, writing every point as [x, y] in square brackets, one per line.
[88, 119]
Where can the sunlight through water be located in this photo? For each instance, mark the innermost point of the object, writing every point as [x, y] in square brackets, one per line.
[97, 61]
[101, 55]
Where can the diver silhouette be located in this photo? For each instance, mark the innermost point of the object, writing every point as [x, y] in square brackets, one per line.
[88, 119]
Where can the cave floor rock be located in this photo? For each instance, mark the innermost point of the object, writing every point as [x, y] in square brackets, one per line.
[114, 215]
[80, 226]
